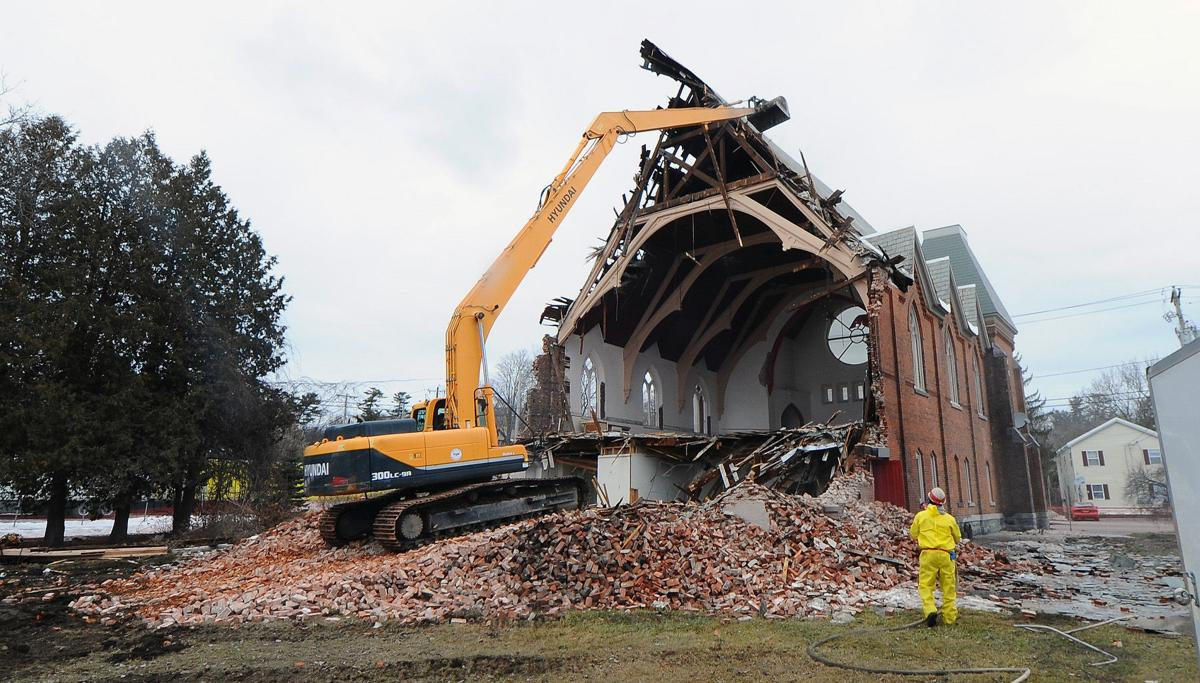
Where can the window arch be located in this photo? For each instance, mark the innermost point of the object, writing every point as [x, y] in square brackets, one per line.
[651, 401]
[979, 402]
[589, 390]
[990, 485]
[918, 349]
[951, 365]
[933, 472]
[701, 421]
[967, 477]
[921, 477]
[791, 417]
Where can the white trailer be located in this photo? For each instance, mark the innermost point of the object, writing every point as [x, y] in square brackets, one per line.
[1175, 390]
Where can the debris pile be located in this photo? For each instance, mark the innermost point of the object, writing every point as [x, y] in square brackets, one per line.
[1099, 578]
[792, 459]
[799, 459]
[677, 556]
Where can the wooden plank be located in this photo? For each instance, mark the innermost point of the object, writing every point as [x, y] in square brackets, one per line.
[721, 186]
[36, 554]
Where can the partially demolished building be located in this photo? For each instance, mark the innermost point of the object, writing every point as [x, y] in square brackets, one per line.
[741, 318]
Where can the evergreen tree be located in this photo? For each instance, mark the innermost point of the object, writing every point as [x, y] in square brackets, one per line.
[139, 316]
[1040, 427]
[371, 406]
[401, 404]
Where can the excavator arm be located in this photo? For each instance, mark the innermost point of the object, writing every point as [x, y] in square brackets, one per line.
[466, 335]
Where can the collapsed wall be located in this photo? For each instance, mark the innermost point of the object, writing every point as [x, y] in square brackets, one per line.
[546, 405]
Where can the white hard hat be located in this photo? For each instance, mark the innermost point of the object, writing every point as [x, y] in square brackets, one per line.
[937, 496]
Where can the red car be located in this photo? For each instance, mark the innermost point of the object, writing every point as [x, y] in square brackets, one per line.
[1085, 511]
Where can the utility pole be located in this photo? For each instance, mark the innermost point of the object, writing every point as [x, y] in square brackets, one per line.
[1185, 331]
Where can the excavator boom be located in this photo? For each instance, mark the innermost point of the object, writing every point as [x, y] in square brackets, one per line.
[466, 335]
[437, 469]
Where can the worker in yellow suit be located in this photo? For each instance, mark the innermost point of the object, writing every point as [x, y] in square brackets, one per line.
[936, 531]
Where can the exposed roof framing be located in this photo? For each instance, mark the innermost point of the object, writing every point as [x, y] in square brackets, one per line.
[714, 161]
[722, 234]
[696, 221]
[714, 324]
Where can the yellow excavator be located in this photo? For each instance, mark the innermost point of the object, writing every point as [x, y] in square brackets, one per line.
[436, 471]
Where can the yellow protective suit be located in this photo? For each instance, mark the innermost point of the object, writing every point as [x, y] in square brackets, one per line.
[937, 533]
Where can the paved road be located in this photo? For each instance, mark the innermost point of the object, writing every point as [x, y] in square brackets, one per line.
[1113, 526]
[1105, 526]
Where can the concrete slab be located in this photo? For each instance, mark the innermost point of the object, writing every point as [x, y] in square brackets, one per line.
[749, 510]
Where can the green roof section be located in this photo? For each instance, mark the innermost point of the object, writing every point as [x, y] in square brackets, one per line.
[951, 242]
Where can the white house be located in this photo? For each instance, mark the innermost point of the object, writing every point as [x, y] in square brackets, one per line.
[1096, 466]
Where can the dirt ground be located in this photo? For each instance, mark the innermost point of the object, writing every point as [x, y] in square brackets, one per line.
[42, 640]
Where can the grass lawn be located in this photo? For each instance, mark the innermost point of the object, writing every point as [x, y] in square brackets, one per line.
[599, 646]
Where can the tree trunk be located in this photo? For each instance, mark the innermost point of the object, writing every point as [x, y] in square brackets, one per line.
[56, 514]
[185, 500]
[176, 501]
[120, 527]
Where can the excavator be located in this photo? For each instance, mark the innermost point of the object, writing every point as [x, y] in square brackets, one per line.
[440, 471]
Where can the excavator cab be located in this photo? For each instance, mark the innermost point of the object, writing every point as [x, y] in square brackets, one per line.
[430, 415]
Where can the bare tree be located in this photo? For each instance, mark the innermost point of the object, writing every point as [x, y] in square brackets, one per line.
[1119, 392]
[512, 378]
[1147, 487]
[15, 114]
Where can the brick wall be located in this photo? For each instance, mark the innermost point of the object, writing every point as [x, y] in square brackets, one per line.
[1018, 466]
[547, 408]
[927, 421]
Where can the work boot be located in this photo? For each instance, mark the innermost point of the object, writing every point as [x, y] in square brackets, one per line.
[931, 620]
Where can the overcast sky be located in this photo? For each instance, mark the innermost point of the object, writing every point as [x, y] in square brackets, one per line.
[387, 152]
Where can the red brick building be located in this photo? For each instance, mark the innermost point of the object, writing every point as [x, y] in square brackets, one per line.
[952, 392]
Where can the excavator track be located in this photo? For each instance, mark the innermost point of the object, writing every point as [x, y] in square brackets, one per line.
[345, 522]
[406, 524]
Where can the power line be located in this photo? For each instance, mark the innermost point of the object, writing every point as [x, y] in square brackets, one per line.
[1099, 310]
[1097, 394]
[1157, 290]
[1036, 376]
[309, 380]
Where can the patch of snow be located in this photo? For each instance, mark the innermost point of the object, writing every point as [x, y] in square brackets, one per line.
[905, 597]
[874, 249]
[86, 528]
[945, 306]
[973, 328]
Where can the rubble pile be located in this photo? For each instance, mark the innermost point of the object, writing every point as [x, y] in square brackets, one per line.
[792, 459]
[677, 556]
[1098, 578]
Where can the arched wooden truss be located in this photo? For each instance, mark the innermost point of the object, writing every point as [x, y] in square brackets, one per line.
[721, 235]
[840, 269]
